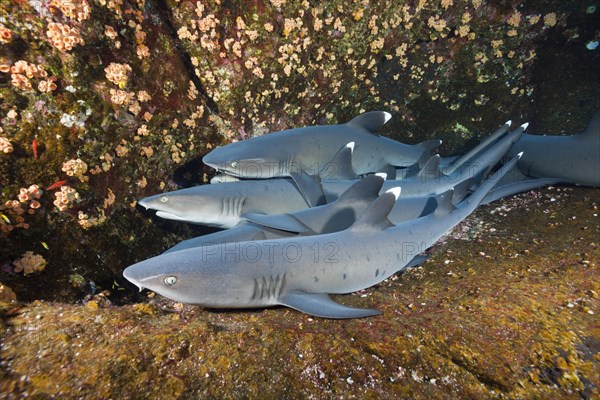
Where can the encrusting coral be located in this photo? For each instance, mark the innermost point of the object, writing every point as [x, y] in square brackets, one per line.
[29, 263]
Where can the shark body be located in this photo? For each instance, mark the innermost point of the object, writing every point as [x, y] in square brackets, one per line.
[310, 151]
[223, 205]
[300, 272]
[333, 217]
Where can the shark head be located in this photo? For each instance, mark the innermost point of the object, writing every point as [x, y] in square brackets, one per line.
[247, 159]
[188, 276]
[204, 205]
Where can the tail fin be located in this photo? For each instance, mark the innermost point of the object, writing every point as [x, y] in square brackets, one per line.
[479, 148]
[478, 195]
[375, 217]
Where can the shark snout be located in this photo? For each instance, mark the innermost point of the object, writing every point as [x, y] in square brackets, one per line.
[143, 203]
[132, 274]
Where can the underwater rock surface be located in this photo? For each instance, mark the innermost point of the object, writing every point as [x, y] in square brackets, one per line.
[106, 102]
[500, 310]
[112, 101]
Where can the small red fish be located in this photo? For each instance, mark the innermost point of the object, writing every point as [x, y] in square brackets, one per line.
[56, 185]
[34, 145]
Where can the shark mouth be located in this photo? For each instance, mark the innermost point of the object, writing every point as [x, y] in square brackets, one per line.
[168, 215]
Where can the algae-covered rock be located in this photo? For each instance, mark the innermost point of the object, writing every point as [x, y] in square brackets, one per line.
[499, 310]
[105, 102]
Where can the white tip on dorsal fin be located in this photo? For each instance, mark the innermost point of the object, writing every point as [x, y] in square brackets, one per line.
[508, 123]
[395, 191]
[525, 125]
[371, 121]
[382, 175]
[350, 146]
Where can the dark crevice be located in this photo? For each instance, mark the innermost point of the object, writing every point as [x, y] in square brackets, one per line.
[485, 380]
[163, 12]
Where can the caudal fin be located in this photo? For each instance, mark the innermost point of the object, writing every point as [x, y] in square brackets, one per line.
[484, 144]
[478, 195]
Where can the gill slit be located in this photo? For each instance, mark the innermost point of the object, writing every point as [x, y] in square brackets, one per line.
[268, 287]
[232, 206]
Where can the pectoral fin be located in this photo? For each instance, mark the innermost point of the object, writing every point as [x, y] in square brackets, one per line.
[284, 222]
[310, 188]
[519, 187]
[418, 260]
[321, 305]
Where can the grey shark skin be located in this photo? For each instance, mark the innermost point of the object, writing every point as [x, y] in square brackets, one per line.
[309, 150]
[432, 181]
[300, 272]
[222, 178]
[224, 204]
[571, 159]
[332, 217]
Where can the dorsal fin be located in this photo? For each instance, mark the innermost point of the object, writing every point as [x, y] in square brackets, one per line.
[422, 161]
[593, 127]
[462, 189]
[365, 189]
[430, 145]
[309, 187]
[445, 205]
[371, 121]
[340, 166]
[327, 218]
[259, 236]
[431, 168]
[375, 217]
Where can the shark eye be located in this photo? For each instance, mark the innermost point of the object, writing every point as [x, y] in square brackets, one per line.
[234, 164]
[164, 199]
[170, 280]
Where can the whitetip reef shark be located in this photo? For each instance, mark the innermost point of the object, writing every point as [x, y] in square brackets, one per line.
[300, 272]
[333, 217]
[433, 179]
[553, 159]
[225, 205]
[303, 153]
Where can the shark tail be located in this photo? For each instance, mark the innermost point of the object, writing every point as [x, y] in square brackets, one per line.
[483, 145]
[478, 195]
